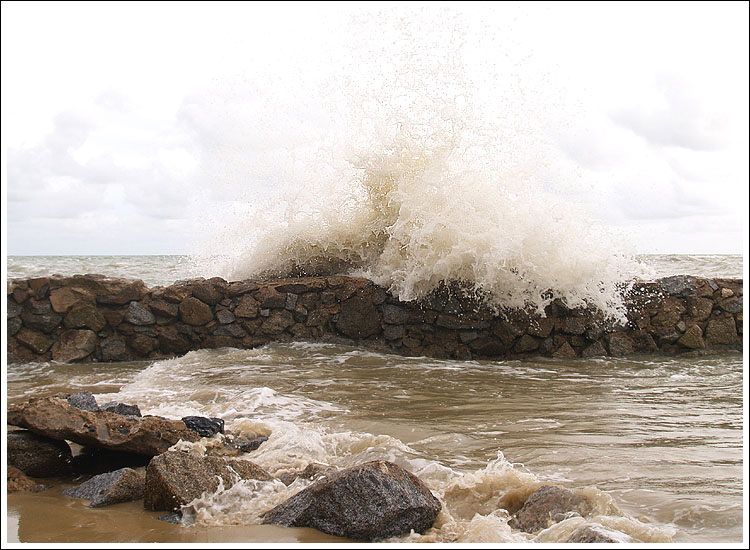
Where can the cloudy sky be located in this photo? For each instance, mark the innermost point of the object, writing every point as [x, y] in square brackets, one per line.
[139, 128]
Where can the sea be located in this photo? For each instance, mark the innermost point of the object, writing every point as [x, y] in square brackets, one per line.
[656, 443]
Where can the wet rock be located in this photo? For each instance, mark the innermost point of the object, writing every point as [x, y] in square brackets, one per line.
[206, 427]
[395, 315]
[393, 332]
[245, 445]
[359, 317]
[564, 351]
[94, 460]
[122, 408]
[460, 322]
[142, 344]
[270, 298]
[241, 287]
[74, 345]
[194, 312]
[247, 307]
[122, 485]
[36, 341]
[139, 315]
[594, 350]
[46, 322]
[171, 341]
[699, 308]
[38, 456]
[114, 349]
[588, 534]
[208, 292]
[679, 285]
[302, 285]
[619, 344]
[54, 417]
[547, 505]
[721, 331]
[233, 330]
[14, 310]
[526, 344]
[372, 501]
[18, 481]
[83, 400]
[85, 316]
[693, 338]
[277, 322]
[175, 478]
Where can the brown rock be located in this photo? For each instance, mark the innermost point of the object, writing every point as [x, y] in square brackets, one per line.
[55, 418]
[693, 338]
[63, 299]
[247, 307]
[589, 534]
[175, 478]
[241, 287]
[195, 312]
[619, 344]
[171, 341]
[277, 322]
[565, 351]
[269, 297]
[359, 316]
[547, 505]
[18, 481]
[699, 308]
[46, 322]
[721, 330]
[372, 501]
[38, 456]
[35, 341]
[164, 308]
[208, 292]
[85, 316]
[74, 345]
[594, 350]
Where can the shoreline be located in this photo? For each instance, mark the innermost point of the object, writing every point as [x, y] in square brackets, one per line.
[94, 318]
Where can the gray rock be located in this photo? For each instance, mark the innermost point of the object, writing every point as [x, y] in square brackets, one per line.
[206, 427]
[225, 317]
[175, 478]
[679, 285]
[372, 501]
[233, 330]
[38, 456]
[83, 400]
[122, 408]
[138, 314]
[547, 505]
[122, 485]
[46, 322]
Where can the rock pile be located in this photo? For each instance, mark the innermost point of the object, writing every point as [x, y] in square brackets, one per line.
[94, 318]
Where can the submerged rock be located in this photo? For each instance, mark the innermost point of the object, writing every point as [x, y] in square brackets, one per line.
[588, 533]
[372, 501]
[175, 478]
[547, 505]
[312, 471]
[122, 485]
[56, 418]
[38, 456]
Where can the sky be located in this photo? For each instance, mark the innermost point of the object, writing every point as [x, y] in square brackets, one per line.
[140, 128]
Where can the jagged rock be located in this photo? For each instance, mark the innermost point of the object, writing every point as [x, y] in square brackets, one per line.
[14, 325]
[247, 307]
[277, 322]
[54, 417]
[693, 338]
[372, 501]
[35, 341]
[74, 345]
[206, 427]
[85, 316]
[175, 478]
[18, 481]
[395, 315]
[122, 408]
[547, 505]
[233, 330]
[139, 315]
[246, 445]
[526, 344]
[38, 456]
[195, 312]
[565, 351]
[83, 400]
[721, 331]
[122, 485]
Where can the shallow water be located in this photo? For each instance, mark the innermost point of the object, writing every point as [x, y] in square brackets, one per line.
[656, 442]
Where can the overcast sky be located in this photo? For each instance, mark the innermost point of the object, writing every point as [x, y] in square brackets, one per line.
[125, 127]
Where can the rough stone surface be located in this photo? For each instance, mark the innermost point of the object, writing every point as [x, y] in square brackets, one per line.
[83, 400]
[74, 345]
[372, 501]
[588, 534]
[122, 485]
[55, 418]
[138, 314]
[206, 427]
[122, 408]
[359, 318]
[18, 481]
[721, 331]
[693, 338]
[175, 478]
[195, 312]
[35, 341]
[547, 505]
[38, 456]
[85, 316]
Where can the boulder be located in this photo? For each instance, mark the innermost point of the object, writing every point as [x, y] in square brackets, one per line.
[85, 316]
[721, 331]
[36, 341]
[38, 456]
[18, 481]
[693, 338]
[195, 312]
[547, 505]
[175, 478]
[372, 501]
[122, 485]
[54, 417]
[74, 345]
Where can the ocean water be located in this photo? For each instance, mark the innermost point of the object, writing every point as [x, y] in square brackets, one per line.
[656, 443]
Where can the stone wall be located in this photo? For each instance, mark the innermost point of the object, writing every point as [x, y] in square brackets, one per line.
[94, 318]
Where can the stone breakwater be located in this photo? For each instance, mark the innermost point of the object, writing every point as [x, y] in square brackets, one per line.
[95, 318]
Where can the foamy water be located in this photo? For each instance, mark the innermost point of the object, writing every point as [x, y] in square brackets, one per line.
[657, 450]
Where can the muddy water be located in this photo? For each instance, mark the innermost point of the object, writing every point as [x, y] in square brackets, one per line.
[655, 442]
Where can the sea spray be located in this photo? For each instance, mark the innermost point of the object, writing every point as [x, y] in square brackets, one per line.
[418, 175]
